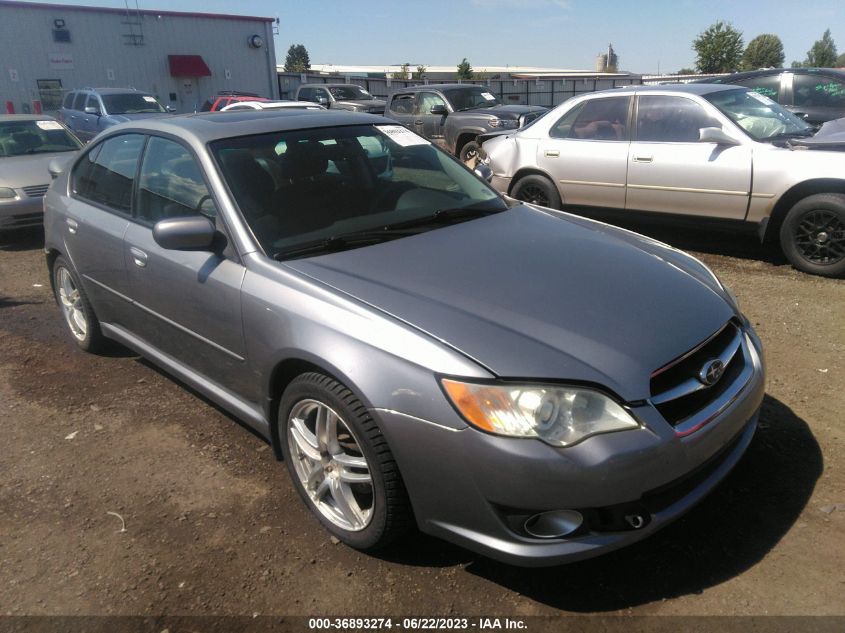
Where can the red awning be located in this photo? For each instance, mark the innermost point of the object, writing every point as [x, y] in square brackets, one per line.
[187, 66]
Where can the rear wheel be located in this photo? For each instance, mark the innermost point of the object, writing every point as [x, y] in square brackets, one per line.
[340, 463]
[76, 309]
[536, 189]
[812, 235]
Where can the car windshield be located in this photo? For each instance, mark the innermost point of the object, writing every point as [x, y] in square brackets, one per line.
[337, 188]
[131, 103]
[760, 117]
[346, 93]
[471, 97]
[18, 138]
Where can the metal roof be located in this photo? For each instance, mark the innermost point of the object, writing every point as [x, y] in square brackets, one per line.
[150, 12]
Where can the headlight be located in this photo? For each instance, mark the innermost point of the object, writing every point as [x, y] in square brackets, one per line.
[559, 416]
[502, 123]
[6, 193]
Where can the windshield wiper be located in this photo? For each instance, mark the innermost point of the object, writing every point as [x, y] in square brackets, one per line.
[787, 135]
[335, 243]
[447, 216]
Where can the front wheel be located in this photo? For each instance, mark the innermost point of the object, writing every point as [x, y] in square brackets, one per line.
[340, 463]
[536, 189]
[470, 152]
[812, 235]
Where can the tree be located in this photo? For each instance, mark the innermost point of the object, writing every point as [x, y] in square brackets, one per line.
[764, 51]
[297, 60]
[719, 48]
[464, 70]
[686, 71]
[840, 61]
[823, 52]
[403, 72]
[420, 73]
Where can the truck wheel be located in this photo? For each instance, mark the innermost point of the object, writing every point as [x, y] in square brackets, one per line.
[538, 190]
[812, 235]
[470, 152]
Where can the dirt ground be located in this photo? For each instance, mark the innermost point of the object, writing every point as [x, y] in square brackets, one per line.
[213, 525]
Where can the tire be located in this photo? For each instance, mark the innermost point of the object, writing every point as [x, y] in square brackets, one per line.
[79, 316]
[812, 235]
[538, 190]
[470, 152]
[349, 479]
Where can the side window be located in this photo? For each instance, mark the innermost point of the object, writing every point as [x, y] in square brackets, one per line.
[403, 103]
[171, 183]
[79, 100]
[818, 92]
[93, 102]
[563, 127]
[427, 100]
[68, 102]
[768, 86]
[604, 119]
[671, 119]
[306, 94]
[321, 93]
[106, 174]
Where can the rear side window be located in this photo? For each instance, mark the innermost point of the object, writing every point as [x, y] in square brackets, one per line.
[106, 174]
[68, 102]
[403, 103]
[171, 183]
[768, 86]
[79, 100]
[818, 92]
[604, 119]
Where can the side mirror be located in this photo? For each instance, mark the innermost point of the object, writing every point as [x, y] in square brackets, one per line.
[439, 109]
[190, 233]
[170, 108]
[92, 110]
[322, 100]
[715, 135]
[57, 166]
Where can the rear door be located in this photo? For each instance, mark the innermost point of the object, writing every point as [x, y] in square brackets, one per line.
[586, 152]
[671, 171]
[401, 109]
[188, 302]
[97, 217]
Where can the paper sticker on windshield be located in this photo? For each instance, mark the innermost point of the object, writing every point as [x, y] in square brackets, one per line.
[401, 135]
[149, 99]
[761, 98]
[48, 125]
[488, 96]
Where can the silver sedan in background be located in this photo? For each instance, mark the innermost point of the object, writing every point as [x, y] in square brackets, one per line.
[720, 154]
[28, 143]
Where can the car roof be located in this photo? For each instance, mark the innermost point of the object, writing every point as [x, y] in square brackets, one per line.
[331, 85]
[440, 87]
[693, 88]
[25, 117]
[203, 127]
[110, 91]
[773, 71]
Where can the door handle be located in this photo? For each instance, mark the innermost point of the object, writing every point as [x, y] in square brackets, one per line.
[72, 225]
[643, 159]
[138, 256]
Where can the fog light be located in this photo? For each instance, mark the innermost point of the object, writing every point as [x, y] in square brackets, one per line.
[553, 524]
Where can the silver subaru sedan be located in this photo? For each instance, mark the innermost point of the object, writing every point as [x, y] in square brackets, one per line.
[421, 352]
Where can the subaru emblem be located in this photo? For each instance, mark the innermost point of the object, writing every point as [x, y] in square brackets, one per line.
[711, 372]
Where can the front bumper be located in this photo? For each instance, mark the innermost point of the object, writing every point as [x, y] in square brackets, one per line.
[476, 489]
[21, 212]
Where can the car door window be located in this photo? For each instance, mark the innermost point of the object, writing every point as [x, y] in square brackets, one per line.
[93, 102]
[171, 183]
[427, 100]
[306, 94]
[402, 104]
[604, 119]
[814, 91]
[322, 94]
[671, 119]
[768, 86]
[106, 174]
[68, 102]
[563, 127]
[79, 100]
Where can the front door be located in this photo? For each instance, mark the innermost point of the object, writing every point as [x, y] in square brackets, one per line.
[426, 124]
[586, 153]
[189, 304]
[671, 171]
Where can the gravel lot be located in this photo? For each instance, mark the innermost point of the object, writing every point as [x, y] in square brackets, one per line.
[213, 525]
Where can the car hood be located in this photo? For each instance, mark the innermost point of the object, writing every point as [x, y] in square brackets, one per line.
[533, 294]
[831, 136]
[26, 171]
[123, 118]
[503, 109]
[368, 104]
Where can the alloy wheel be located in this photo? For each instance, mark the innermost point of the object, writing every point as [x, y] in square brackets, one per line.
[71, 302]
[820, 237]
[534, 194]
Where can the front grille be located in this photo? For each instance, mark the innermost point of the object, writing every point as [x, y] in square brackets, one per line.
[36, 191]
[677, 390]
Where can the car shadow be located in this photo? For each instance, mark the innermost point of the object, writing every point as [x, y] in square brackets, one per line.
[728, 533]
[15, 240]
[7, 302]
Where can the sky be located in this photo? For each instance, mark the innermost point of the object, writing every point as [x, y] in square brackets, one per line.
[648, 36]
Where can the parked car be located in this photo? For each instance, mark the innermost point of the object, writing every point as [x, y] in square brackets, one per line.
[225, 98]
[89, 111]
[340, 97]
[28, 144]
[532, 385]
[453, 115]
[716, 153]
[815, 94]
[830, 137]
[272, 105]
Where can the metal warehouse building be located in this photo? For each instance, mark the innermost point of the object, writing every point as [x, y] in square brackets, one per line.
[182, 58]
